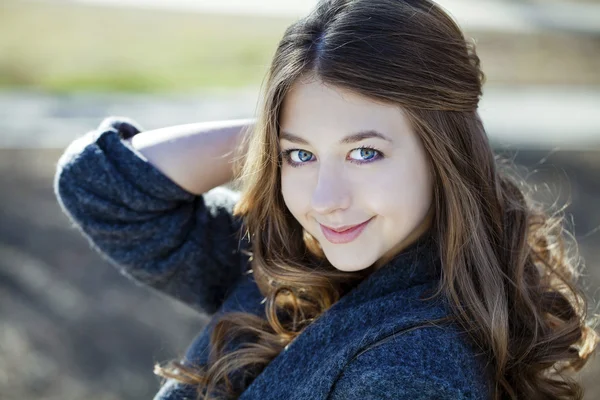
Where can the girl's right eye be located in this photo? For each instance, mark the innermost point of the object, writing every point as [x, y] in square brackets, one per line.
[303, 157]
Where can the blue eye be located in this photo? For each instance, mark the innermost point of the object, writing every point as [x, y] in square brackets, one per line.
[302, 155]
[369, 153]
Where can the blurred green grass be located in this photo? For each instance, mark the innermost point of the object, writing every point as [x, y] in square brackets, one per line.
[65, 48]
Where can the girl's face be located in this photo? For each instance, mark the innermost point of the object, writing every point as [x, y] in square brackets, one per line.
[347, 160]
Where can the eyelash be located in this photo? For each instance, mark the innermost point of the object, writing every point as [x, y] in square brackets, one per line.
[286, 156]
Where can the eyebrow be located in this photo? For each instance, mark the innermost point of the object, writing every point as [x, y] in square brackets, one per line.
[353, 138]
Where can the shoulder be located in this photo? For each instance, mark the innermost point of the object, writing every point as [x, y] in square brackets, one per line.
[432, 362]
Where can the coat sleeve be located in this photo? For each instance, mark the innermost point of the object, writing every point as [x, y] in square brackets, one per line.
[418, 365]
[156, 233]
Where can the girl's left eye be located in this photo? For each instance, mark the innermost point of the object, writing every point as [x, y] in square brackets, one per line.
[368, 153]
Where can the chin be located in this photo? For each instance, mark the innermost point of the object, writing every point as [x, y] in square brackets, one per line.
[353, 267]
[350, 268]
[348, 260]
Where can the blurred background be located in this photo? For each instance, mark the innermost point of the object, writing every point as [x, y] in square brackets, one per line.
[71, 327]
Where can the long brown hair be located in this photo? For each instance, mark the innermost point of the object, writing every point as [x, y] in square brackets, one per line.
[508, 271]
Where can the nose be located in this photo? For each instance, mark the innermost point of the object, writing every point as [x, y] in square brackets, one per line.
[331, 191]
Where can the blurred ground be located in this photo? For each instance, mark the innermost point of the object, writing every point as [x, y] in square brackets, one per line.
[71, 326]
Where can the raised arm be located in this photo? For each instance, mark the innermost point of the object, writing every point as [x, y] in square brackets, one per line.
[184, 242]
[196, 156]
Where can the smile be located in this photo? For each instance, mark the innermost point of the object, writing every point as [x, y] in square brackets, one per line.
[345, 236]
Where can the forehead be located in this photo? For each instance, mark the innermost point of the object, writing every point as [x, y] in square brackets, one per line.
[312, 109]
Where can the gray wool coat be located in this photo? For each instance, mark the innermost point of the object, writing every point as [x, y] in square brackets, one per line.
[371, 344]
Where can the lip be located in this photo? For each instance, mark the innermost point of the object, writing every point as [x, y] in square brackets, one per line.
[345, 236]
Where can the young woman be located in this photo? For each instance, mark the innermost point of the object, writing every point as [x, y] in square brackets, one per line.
[375, 249]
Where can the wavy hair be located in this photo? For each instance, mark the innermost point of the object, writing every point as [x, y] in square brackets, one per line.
[509, 267]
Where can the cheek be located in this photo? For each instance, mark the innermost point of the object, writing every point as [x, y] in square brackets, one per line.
[293, 193]
[407, 193]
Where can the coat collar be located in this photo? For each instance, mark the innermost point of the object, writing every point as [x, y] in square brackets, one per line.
[417, 264]
[386, 302]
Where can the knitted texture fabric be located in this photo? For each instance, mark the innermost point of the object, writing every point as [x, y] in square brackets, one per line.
[153, 230]
[374, 343]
